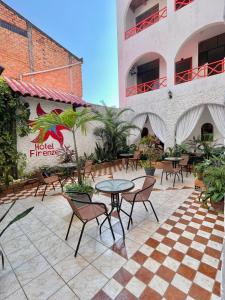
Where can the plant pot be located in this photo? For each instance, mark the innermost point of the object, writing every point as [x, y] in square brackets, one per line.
[150, 171]
[218, 206]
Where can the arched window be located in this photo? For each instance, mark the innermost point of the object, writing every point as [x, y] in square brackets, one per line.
[207, 132]
[144, 132]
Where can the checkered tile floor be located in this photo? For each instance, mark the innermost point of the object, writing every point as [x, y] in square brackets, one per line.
[181, 260]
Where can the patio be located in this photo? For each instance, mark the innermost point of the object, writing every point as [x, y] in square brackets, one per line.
[177, 258]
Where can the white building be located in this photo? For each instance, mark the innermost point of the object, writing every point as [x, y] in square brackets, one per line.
[172, 66]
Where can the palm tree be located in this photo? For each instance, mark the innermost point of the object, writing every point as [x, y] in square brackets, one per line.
[115, 130]
[71, 119]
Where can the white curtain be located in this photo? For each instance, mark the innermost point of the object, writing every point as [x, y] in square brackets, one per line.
[159, 128]
[187, 123]
[218, 115]
[139, 121]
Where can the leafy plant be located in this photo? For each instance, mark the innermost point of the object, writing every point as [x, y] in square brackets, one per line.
[65, 154]
[17, 218]
[112, 133]
[177, 150]
[209, 148]
[214, 179]
[79, 188]
[71, 119]
[14, 121]
[152, 150]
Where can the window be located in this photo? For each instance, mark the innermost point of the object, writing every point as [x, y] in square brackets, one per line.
[148, 72]
[182, 67]
[147, 14]
[181, 3]
[207, 132]
[144, 132]
[210, 51]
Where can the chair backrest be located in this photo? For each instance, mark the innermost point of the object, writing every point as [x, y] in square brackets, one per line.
[137, 154]
[147, 187]
[40, 177]
[88, 167]
[185, 160]
[75, 205]
[167, 166]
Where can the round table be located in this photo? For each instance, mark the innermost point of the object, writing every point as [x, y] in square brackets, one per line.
[174, 160]
[126, 156]
[69, 169]
[115, 187]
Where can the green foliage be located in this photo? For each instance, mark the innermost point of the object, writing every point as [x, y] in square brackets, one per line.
[17, 218]
[112, 133]
[79, 188]
[152, 150]
[14, 121]
[214, 179]
[65, 154]
[209, 148]
[177, 150]
[73, 120]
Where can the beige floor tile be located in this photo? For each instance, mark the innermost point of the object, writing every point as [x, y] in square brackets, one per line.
[70, 266]
[112, 288]
[64, 293]
[19, 257]
[91, 250]
[44, 286]
[109, 263]
[8, 283]
[95, 279]
[18, 295]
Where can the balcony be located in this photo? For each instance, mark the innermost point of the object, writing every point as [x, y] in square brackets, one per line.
[146, 87]
[149, 21]
[208, 69]
[182, 3]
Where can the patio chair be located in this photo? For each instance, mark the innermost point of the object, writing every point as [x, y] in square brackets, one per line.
[87, 171]
[47, 181]
[135, 159]
[168, 169]
[86, 211]
[184, 163]
[140, 195]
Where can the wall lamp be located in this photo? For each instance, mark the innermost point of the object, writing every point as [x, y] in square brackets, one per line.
[1, 70]
[170, 94]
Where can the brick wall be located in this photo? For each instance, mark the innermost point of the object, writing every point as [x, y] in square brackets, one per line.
[24, 48]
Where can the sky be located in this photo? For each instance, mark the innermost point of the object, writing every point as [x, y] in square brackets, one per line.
[88, 29]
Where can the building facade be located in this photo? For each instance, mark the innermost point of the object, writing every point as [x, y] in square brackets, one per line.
[172, 67]
[29, 54]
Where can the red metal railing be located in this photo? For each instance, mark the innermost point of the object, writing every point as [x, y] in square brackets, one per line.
[146, 87]
[161, 14]
[206, 70]
[181, 3]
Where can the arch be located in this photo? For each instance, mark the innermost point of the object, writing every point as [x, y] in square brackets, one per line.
[207, 130]
[199, 109]
[203, 31]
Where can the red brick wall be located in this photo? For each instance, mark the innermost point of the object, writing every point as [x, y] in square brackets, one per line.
[20, 54]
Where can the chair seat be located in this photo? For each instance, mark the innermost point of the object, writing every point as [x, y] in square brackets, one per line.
[130, 196]
[51, 179]
[90, 212]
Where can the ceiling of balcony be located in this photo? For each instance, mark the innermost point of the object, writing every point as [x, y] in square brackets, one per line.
[136, 3]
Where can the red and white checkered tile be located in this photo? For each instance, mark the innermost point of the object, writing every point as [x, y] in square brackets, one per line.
[181, 260]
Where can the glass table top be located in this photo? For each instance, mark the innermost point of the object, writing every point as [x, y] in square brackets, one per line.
[114, 186]
[126, 154]
[67, 165]
[174, 158]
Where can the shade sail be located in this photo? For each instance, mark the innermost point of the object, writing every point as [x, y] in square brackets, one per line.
[25, 88]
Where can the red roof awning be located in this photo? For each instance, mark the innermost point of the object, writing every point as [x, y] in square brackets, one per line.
[25, 88]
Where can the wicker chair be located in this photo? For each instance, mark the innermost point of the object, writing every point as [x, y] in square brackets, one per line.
[47, 181]
[86, 211]
[135, 159]
[140, 195]
[87, 171]
[184, 163]
[168, 169]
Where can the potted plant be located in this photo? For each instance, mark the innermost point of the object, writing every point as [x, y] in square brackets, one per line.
[153, 151]
[214, 178]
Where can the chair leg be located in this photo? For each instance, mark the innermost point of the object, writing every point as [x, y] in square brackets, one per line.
[78, 244]
[44, 192]
[69, 227]
[161, 178]
[61, 184]
[145, 206]
[182, 177]
[3, 262]
[174, 180]
[36, 190]
[154, 211]
[110, 225]
[97, 221]
[92, 177]
[130, 217]
[53, 187]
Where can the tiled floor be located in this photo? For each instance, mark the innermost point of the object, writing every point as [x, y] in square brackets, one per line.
[178, 258]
